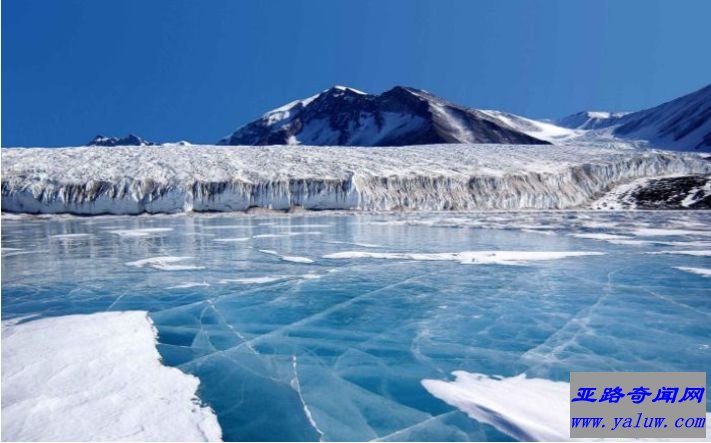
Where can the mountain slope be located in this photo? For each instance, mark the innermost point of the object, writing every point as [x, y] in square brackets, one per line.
[401, 116]
[590, 120]
[683, 123]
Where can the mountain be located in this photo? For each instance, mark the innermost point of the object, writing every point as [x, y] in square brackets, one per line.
[401, 116]
[129, 140]
[590, 120]
[683, 123]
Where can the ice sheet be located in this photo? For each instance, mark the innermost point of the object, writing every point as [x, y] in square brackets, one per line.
[364, 331]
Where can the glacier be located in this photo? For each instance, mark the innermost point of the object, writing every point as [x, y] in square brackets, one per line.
[171, 179]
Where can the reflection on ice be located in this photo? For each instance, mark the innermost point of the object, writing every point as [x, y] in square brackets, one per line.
[336, 347]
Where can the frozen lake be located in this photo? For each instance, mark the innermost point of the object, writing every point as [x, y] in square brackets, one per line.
[323, 326]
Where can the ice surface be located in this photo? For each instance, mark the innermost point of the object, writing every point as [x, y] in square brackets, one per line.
[96, 378]
[133, 180]
[337, 349]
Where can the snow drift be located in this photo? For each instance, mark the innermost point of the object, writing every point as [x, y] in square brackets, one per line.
[134, 180]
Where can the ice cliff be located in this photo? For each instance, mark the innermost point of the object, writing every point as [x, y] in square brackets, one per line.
[134, 180]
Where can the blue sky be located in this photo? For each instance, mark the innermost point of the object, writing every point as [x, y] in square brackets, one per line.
[170, 69]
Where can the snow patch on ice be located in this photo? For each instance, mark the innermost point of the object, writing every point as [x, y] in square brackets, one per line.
[96, 378]
[694, 253]
[188, 285]
[657, 232]
[164, 263]
[254, 280]
[145, 232]
[70, 236]
[704, 272]
[289, 258]
[601, 236]
[527, 409]
[466, 257]
[512, 405]
[232, 240]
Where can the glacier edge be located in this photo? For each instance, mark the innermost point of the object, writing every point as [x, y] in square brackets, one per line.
[135, 180]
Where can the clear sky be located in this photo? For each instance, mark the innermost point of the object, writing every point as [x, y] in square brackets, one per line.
[170, 70]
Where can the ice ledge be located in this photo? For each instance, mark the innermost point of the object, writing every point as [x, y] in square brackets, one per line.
[96, 378]
[134, 180]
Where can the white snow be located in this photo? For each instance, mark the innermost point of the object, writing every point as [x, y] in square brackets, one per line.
[601, 236]
[535, 128]
[145, 232]
[133, 180]
[289, 258]
[697, 194]
[620, 196]
[232, 240]
[704, 272]
[96, 378]
[662, 232]
[253, 280]
[188, 285]
[706, 253]
[165, 263]
[70, 236]
[466, 257]
[527, 409]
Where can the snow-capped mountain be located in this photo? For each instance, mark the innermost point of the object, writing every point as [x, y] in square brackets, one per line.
[401, 116]
[590, 120]
[129, 140]
[683, 123]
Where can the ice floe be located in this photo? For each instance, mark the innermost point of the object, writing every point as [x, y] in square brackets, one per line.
[96, 378]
